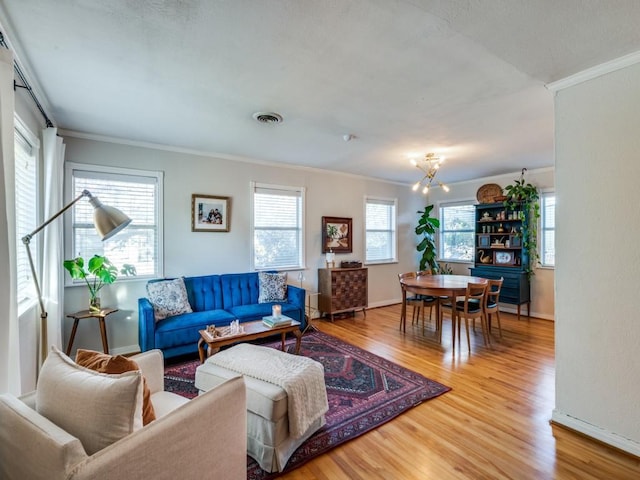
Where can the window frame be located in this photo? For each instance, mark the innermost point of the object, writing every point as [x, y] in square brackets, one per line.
[28, 300]
[394, 231]
[542, 229]
[69, 237]
[254, 186]
[441, 231]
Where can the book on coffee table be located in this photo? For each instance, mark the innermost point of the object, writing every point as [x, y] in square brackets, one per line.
[271, 321]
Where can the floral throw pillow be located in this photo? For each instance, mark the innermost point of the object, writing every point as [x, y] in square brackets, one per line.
[273, 287]
[169, 298]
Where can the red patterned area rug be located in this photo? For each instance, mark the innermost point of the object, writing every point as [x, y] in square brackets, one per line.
[364, 391]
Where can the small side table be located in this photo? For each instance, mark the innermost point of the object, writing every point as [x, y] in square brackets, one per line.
[101, 315]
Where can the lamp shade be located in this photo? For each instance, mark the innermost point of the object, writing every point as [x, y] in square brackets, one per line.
[107, 220]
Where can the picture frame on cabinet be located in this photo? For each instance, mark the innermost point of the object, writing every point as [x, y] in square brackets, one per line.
[484, 241]
[515, 241]
[504, 257]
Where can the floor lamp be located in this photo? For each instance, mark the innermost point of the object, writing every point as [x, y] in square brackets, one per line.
[107, 221]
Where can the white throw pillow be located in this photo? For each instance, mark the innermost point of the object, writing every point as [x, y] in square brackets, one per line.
[273, 287]
[96, 408]
[169, 298]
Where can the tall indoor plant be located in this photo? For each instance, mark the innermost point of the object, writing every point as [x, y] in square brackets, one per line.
[427, 226]
[523, 197]
[100, 272]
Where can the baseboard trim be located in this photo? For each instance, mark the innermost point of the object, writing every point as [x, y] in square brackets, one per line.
[600, 434]
[125, 351]
[514, 310]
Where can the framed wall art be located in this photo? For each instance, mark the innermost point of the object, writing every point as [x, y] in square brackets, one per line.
[337, 234]
[210, 213]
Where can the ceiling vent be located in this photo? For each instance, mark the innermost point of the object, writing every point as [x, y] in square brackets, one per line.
[267, 117]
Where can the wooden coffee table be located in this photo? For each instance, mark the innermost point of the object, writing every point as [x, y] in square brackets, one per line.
[252, 331]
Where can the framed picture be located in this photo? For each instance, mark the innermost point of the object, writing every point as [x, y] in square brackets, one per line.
[484, 241]
[337, 234]
[210, 213]
[504, 257]
[515, 241]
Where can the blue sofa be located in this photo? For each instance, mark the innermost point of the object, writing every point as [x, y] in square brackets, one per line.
[215, 300]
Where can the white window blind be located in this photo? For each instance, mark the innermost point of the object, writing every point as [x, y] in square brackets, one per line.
[457, 231]
[137, 194]
[548, 221]
[26, 193]
[278, 235]
[380, 230]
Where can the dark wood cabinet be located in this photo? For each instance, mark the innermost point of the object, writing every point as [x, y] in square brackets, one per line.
[342, 290]
[499, 252]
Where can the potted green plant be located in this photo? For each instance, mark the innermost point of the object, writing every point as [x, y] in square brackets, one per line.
[100, 272]
[427, 226]
[523, 197]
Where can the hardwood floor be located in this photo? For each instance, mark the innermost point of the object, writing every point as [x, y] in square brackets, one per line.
[494, 424]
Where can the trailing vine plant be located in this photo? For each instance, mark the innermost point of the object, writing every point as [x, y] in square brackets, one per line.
[427, 226]
[523, 197]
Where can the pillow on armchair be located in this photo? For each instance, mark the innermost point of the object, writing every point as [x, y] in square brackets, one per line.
[96, 408]
[105, 363]
[272, 286]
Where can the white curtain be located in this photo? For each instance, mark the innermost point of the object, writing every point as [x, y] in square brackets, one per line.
[52, 275]
[9, 338]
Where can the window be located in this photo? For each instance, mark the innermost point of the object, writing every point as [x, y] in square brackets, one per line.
[457, 232]
[548, 223]
[26, 193]
[380, 230]
[139, 195]
[278, 235]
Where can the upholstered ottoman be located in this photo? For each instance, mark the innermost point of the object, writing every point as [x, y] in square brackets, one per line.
[280, 387]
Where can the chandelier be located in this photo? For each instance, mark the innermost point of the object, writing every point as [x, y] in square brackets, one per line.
[429, 166]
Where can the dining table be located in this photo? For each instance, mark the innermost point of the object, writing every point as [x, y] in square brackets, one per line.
[439, 286]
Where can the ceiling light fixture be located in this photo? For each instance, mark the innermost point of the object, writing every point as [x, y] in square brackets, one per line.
[429, 166]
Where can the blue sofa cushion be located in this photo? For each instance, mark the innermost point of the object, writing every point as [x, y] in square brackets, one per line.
[240, 289]
[183, 329]
[204, 293]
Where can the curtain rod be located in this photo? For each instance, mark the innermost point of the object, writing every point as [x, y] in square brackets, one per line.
[25, 85]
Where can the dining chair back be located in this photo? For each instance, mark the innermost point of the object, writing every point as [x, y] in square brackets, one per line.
[491, 302]
[419, 302]
[470, 308]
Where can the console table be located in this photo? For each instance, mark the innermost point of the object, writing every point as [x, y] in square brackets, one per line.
[342, 290]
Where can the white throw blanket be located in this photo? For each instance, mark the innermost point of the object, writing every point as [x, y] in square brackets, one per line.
[301, 377]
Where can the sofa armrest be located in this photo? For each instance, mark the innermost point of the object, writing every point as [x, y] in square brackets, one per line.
[206, 436]
[146, 325]
[32, 446]
[151, 365]
[297, 296]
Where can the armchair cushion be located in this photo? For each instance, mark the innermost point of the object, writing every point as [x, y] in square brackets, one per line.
[105, 363]
[272, 287]
[168, 297]
[97, 408]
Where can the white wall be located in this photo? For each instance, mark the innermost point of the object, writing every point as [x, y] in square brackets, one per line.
[542, 283]
[200, 253]
[598, 274]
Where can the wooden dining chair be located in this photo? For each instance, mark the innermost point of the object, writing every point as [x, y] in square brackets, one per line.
[470, 308]
[419, 302]
[426, 300]
[491, 302]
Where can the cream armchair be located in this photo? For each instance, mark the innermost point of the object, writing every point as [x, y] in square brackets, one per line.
[200, 438]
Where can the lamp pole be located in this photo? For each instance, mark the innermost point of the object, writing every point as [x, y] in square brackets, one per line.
[107, 220]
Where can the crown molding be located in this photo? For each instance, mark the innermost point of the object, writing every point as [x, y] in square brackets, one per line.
[594, 72]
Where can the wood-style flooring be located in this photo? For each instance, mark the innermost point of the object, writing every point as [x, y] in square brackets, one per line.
[494, 424]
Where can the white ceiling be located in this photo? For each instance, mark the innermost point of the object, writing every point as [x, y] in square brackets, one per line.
[464, 78]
